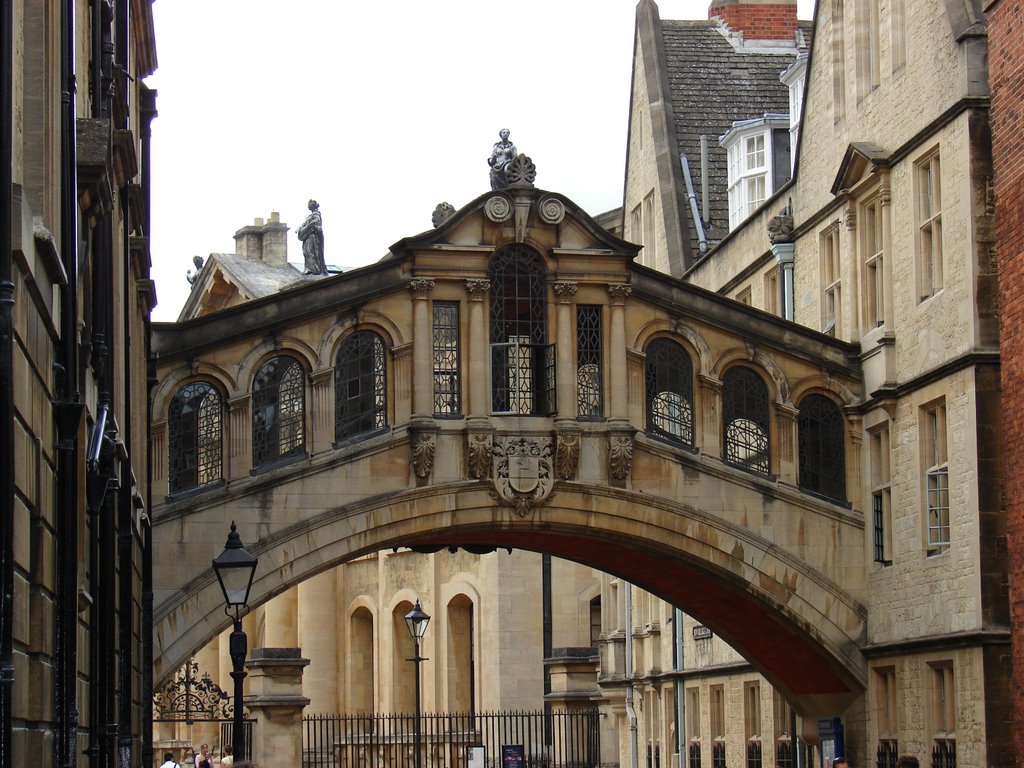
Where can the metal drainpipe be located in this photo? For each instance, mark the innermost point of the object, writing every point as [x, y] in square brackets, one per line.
[69, 413]
[698, 223]
[126, 507]
[634, 748]
[677, 637]
[6, 383]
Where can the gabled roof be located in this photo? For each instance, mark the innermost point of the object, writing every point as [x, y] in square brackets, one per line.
[711, 85]
[861, 158]
[227, 279]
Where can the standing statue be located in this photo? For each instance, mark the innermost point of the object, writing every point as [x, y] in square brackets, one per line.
[502, 154]
[311, 233]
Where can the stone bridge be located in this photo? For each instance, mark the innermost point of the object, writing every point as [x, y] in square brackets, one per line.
[511, 378]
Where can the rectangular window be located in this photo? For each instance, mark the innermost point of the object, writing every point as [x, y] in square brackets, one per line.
[886, 716]
[650, 255]
[943, 713]
[589, 371]
[446, 358]
[838, 30]
[748, 177]
[898, 33]
[717, 696]
[693, 725]
[873, 258]
[868, 51]
[752, 711]
[936, 471]
[831, 282]
[771, 291]
[881, 495]
[743, 297]
[636, 227]
[929, 225]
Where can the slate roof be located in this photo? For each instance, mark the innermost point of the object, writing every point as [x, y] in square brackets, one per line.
[254, 277]
[712, 84]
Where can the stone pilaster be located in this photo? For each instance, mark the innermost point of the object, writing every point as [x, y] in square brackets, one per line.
[709, 419]
[617, 293]
[565, 297]
[239, 458]
[322, 384]
[476, 382]
[785, 419]
[422, 375]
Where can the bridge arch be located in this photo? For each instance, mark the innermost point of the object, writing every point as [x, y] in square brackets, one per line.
[795, 624]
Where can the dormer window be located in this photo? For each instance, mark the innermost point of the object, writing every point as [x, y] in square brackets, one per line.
[758, 152]
[793, 78]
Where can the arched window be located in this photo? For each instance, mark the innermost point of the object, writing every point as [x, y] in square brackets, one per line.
[522, 362]
[745, 419]
[278, 411]
[821, 447]
[194, 437]
[360, 386]
[669, 377]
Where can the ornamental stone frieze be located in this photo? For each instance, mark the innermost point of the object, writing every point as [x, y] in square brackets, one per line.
[521, 472]
[620, 454]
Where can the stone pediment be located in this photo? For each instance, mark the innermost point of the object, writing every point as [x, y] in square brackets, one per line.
[546, 220]
[860, 161]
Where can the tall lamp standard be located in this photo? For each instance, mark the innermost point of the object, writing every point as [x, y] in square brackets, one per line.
[235, 569]
[417, 622]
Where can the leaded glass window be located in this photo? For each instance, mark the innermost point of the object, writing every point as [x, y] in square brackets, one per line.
[360, 386]
[278, 411]
[669, 381]
[521, 373]
[446, 358]
[745, 416]
[589, 374]
[194, 437]
[821, 448]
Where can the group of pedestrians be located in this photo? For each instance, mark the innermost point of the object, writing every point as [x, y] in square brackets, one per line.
[204, 759]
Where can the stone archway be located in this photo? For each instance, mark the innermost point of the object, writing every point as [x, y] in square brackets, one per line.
[789, 617]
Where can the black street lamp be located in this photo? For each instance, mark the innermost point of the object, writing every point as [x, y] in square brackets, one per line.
[417, 622]
[235, 569]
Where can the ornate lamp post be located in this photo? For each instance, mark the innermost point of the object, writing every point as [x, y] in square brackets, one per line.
[235, 569]
[417, 622]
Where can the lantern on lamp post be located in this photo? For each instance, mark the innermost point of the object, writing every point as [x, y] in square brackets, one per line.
[417, 622]
[235, 569]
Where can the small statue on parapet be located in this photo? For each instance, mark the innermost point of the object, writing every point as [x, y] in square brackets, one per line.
[311, 233]
[502, 154]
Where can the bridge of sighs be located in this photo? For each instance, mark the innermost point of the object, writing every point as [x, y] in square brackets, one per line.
[510, 378]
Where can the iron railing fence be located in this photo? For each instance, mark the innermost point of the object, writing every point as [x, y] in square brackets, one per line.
[548, 740]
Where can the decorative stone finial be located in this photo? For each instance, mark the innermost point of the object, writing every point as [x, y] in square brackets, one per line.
[442, 213]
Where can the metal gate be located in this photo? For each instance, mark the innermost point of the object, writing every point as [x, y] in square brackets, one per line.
[548, 740]
[192, 698]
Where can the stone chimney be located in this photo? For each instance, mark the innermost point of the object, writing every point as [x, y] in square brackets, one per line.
[757, 19]
[266, 242]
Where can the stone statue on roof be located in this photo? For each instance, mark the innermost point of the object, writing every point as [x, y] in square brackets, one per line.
[503, 152]
[311, 233]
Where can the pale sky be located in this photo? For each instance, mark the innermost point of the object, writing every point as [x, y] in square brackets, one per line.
[379, 111]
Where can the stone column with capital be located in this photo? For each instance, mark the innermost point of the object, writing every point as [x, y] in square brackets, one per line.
[275, 702]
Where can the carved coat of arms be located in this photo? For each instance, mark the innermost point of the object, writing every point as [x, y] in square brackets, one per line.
[521, 472]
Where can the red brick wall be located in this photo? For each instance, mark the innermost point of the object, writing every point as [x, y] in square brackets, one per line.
[757, 21]
[1006, 82]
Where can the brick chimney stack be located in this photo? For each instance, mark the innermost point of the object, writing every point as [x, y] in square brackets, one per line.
[757, 19]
